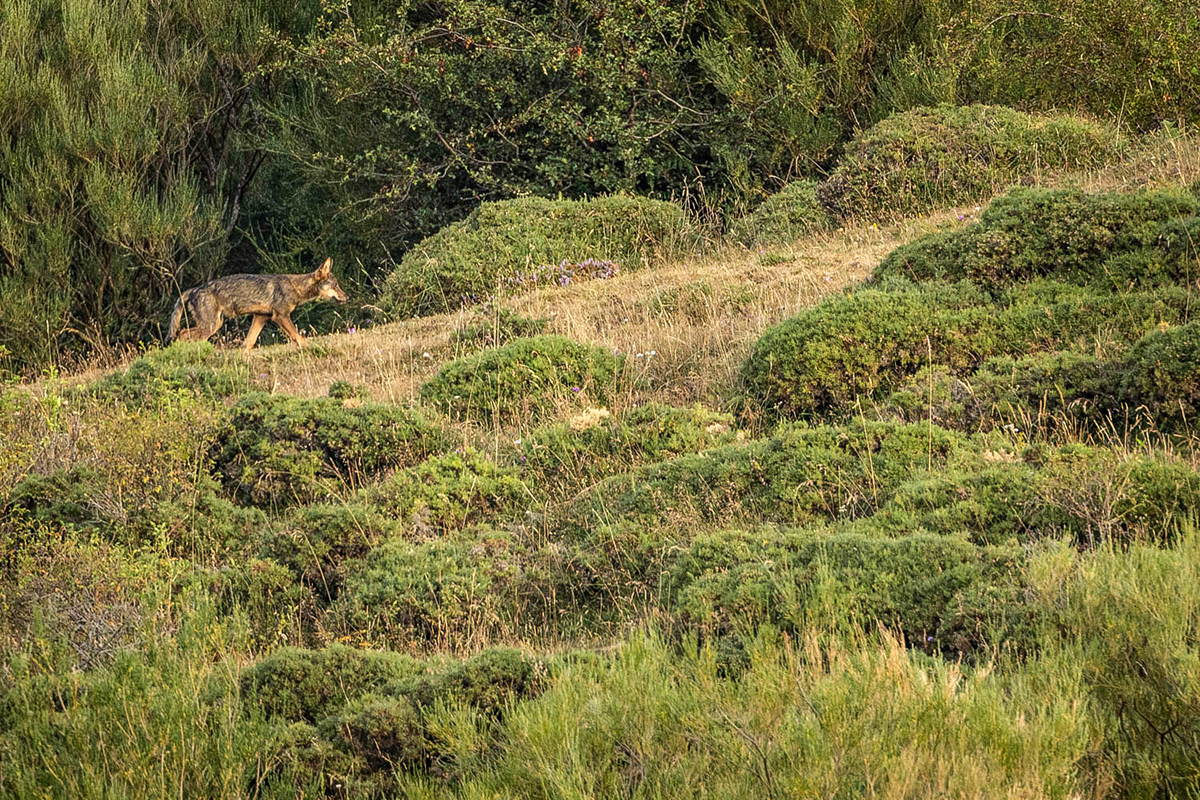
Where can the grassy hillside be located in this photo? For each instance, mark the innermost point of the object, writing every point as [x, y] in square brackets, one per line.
[860, 514]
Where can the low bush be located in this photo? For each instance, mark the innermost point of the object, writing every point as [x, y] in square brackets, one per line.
[564, 458]
[799, 475]
[866, 345]
[469, 261]
[787, 215]
[492, 326]
[730, 580]
[193, 520]
[460, 589]
[448, 492]
[930, 157]
[523, 379]
[490, 681]
[309, 685]
[1040, 390]
[1107, 240]
[278, 450]
[1161, 372]
[315, 542]
[185, 368]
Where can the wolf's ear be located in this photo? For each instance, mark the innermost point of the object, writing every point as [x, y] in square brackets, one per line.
[326, 268]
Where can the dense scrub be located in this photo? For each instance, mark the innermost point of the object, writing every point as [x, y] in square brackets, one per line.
[1110, 241]
[947, 155]
[277, 450]
[786, 215]
[516, 245]
[523, 379]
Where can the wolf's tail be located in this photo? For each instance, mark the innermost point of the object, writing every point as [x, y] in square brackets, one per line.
[176, 317]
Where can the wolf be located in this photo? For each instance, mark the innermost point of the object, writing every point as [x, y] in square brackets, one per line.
[267, 297]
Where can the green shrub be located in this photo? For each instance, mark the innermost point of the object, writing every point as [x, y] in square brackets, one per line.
[523, 379]
[863, 345]
[183, 368]
[787, 215]
[871, 343]
[309, 685]
[1162, 374]
[469, 261]
[277, 450]
[799, 475]
[384, 733]
[729, 579]
[437, 591]
[492, 326]
[193, 519]
[1109, 240]
[1041, 390]
[490, 681]
[446, 493]
[562, 459]
[930, 157]
[315, 542]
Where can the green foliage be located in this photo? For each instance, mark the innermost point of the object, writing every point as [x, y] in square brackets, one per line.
[448, 492]
[184, 368]
[799, 475]
[315, 543]
[563, 458]
[523, 379]
[787, 215]
[461, 588]
[187, 519]
[1107, 240]
[310, 685]
[866, 345]
[1162, 373]
[727, 580]
[278, 450]
[1042, 389]
[384, 732]
[123, 145]
[491, 681]
[1026, 54]
[930, 157]
[501, 247]
[492, 326]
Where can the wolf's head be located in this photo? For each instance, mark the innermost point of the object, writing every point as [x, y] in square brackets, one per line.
[325, 285]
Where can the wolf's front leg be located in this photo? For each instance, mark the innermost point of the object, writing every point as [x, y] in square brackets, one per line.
[285, 322]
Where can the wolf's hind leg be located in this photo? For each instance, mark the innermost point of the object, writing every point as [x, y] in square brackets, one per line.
[285, 322]
[255, 329]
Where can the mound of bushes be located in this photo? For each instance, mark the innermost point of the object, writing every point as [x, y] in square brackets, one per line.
[279, 450]
[358, 718]
[1109, 240]
[466, 586]
[523, 379]
[785, 216]
[799, 475]
[1162, 374]
[930, 157]
[737, 580]
[183, 368]
[445, 493]
[1042, 388]
[468, 261]
[567, 457]
[866, 345]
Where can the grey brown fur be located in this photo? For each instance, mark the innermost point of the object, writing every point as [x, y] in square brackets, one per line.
[267, 297]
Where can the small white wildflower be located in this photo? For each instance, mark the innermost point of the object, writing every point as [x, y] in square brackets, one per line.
[639, 355]
[426, 354]
[516, 441]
